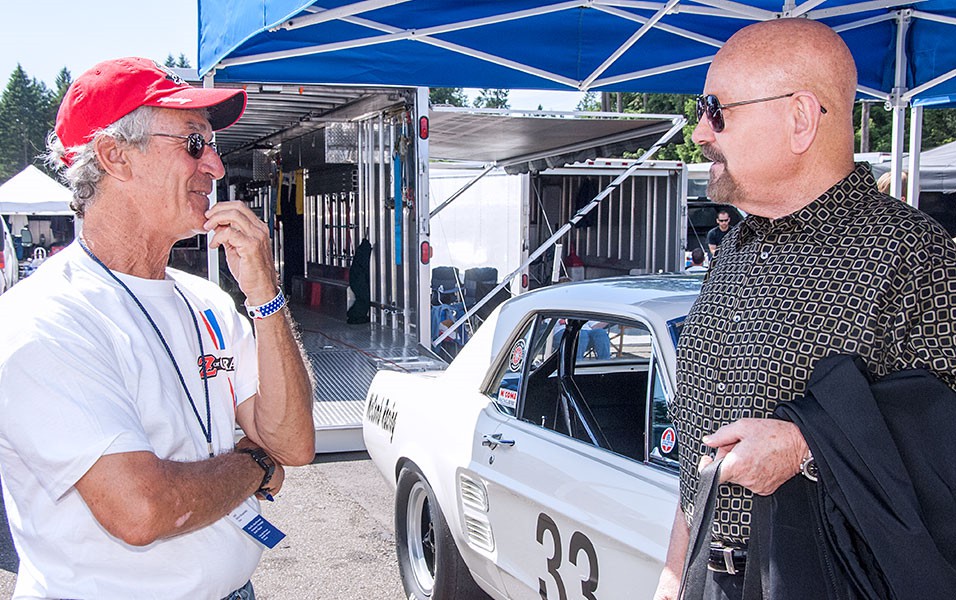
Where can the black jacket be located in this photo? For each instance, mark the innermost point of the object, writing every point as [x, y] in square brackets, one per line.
[883, 515]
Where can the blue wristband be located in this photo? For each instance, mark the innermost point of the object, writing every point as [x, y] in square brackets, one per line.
[269, 308]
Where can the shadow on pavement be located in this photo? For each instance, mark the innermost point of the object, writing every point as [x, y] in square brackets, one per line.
[335, 457]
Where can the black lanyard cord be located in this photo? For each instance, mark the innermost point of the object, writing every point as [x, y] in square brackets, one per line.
[207, 431]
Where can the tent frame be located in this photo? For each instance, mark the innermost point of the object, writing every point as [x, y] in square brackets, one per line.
[897, 100]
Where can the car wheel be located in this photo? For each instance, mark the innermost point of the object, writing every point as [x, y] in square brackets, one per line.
[430, 564]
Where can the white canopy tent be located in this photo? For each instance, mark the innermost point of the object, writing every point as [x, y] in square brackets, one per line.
[937, 170]
[32, 192]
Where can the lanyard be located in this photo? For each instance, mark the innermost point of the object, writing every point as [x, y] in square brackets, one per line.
[206, 430]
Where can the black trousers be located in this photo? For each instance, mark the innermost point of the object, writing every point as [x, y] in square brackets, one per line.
[724, 586]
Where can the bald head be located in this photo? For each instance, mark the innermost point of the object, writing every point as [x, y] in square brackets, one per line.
[795, 54]
[786, 89]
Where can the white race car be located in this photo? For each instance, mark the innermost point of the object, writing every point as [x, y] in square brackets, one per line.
[541, 463]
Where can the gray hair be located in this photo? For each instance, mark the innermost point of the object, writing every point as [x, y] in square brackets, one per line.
[84, 171]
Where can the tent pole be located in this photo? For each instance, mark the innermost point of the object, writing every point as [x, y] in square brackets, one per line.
[898, 101]
[896, 162]
[212, 254]
[916, 141]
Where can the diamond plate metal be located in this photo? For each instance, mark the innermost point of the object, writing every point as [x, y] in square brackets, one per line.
[341, 375]
[341, 143]
[342, 379]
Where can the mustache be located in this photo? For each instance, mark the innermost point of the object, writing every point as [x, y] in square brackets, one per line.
[712, 154]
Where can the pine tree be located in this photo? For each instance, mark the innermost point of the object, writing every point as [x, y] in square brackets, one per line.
[447, 96]
[25, 119]
[63, 80]
[492, 98]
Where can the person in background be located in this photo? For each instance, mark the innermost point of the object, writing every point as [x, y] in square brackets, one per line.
[696, 262]
[122, 380]
[777, 122]
[886, 179]
[716, 235]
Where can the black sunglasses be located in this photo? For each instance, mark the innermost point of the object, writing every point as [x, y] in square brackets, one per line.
[710, 105]
[195, 143]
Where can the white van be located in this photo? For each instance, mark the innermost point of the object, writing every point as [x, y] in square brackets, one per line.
[9, 268]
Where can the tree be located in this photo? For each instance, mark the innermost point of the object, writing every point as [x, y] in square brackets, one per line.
[447, 96]
[589, 102]
[178, 63]
[25, 120]
[62, 83]
[492, 98]
[679, 148]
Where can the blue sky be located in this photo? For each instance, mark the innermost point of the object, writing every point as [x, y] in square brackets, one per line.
[47, 35]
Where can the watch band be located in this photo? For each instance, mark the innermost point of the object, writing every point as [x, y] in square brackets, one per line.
[263, 460]
[269, 308]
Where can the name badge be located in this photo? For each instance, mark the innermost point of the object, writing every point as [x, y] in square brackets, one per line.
[249, 520]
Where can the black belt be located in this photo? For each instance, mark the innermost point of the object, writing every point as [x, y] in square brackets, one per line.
[723, 559]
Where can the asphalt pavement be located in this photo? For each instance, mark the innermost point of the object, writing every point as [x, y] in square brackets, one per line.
[337, 517]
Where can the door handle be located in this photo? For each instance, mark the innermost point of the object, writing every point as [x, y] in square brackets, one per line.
[493, 440]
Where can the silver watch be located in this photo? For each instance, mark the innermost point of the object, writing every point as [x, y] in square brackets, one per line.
[808, 468]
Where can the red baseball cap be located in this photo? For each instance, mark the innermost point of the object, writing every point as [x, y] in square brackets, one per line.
[112, 89]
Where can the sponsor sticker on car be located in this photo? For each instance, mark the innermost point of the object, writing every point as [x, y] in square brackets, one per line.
[517, 355]
[508, 398]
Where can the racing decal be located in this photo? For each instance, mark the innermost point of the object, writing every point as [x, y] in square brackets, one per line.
[580, 545]
[517, 355]
[210, 365]
[668, 440]
[508, 398]
[382, 412]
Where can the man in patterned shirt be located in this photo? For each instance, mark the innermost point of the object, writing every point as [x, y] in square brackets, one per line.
[824, 264]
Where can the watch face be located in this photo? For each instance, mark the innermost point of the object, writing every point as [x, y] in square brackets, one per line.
[810, 470]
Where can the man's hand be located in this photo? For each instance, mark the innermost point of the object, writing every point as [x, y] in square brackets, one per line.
[245, 238]
[668, 585]
[759, 454]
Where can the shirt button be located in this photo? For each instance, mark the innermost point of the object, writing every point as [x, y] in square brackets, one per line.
[764, 255]
[721, 386]
[737, 318]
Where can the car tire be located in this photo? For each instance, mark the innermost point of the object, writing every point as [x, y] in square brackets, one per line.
[428, 559]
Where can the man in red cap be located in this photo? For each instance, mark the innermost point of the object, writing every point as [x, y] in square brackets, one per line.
[122, 380]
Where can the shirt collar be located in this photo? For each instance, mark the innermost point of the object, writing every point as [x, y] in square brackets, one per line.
[818, 216]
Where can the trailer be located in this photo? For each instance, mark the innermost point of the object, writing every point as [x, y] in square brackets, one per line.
[638, 227]
[331, 166]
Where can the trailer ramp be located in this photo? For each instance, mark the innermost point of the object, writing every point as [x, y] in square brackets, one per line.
[344, 359]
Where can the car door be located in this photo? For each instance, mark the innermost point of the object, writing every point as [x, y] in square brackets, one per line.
[578, 505]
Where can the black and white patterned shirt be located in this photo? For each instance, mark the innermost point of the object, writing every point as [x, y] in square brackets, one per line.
[855, 271]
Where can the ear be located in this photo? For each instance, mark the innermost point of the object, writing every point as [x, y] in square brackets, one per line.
[113, 157]
[805, 121]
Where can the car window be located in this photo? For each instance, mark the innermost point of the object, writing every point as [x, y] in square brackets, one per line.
[507, 381]
[589, 379]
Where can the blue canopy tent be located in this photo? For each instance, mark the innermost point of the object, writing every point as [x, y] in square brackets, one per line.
[904, 50]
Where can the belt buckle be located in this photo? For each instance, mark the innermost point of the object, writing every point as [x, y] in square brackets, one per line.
[728, 555]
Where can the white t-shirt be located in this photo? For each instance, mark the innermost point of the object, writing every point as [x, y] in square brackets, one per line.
[82, 375]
